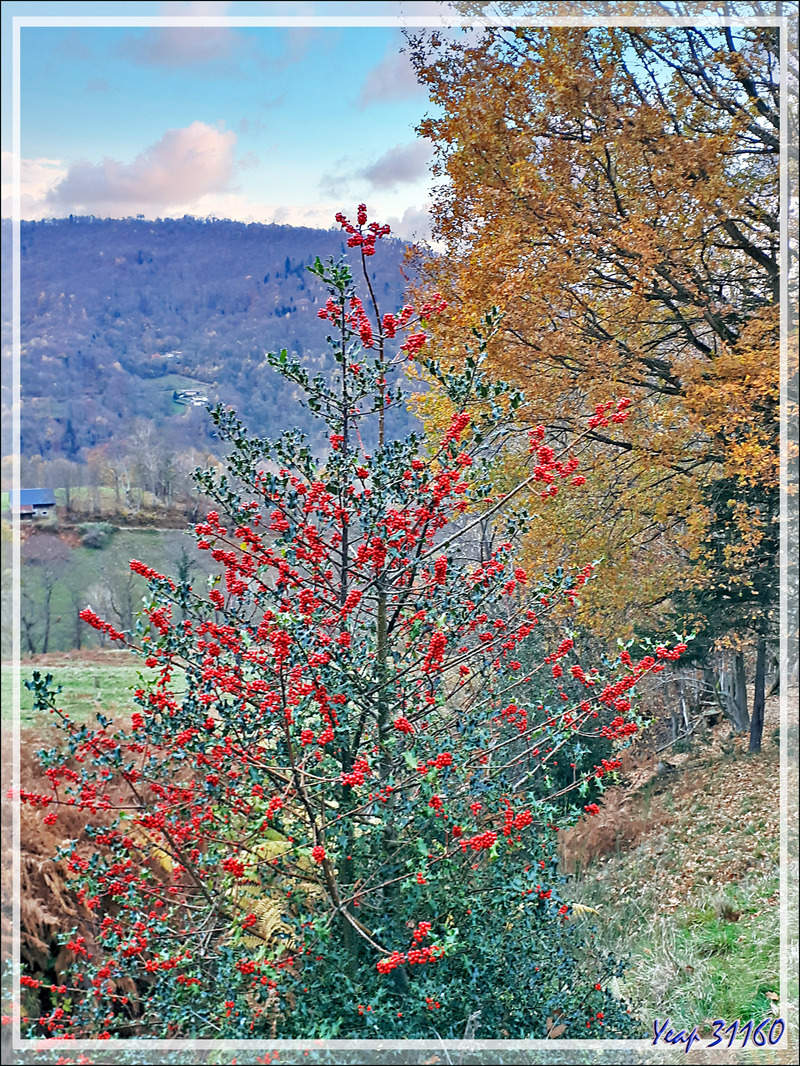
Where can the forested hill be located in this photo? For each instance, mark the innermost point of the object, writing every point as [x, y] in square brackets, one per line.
[124, 320]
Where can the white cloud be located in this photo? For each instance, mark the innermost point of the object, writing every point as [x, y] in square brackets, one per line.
[404, 164]
[399, 165]
[171, 175]
[392, 79]
[413, 225]
[37, 178]
[318, 216]
[45, 183]
[242, 209]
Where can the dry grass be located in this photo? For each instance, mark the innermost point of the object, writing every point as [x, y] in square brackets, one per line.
[684, 872]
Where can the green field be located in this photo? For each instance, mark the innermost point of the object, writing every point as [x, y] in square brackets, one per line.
[159, 390]
[95, 578]
[86, 687]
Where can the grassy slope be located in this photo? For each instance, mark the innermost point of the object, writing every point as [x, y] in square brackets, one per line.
[695, 903]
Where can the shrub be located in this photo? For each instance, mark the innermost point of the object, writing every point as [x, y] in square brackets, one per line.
[96, 534]
[354, 804]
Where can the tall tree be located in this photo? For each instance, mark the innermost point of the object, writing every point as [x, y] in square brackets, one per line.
[615, 192]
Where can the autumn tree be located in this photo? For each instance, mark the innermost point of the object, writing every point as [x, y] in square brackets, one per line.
[614, 191]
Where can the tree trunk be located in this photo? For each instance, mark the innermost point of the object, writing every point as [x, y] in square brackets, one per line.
[711, 683]
[685, 712]
[28, 633]
[741, 690]
[757, 721]
[350, 940]
[775, 670]
[733, 689]
[78, 623]
[47, 614]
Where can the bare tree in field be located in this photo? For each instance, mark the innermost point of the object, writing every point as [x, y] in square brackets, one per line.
[44, 559]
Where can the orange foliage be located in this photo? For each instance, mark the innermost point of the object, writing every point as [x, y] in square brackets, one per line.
[614, 192]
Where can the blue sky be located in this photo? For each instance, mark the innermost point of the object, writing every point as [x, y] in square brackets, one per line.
[254, 123]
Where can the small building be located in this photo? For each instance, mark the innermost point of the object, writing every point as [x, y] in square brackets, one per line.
[190, 397]
[32, 502]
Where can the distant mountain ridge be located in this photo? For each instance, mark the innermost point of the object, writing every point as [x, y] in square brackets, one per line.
[124, 320]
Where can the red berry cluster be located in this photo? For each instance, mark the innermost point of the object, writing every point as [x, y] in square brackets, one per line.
[357, 238]
[599, 418]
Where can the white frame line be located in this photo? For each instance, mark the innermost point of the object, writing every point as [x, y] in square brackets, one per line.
[422, 22]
